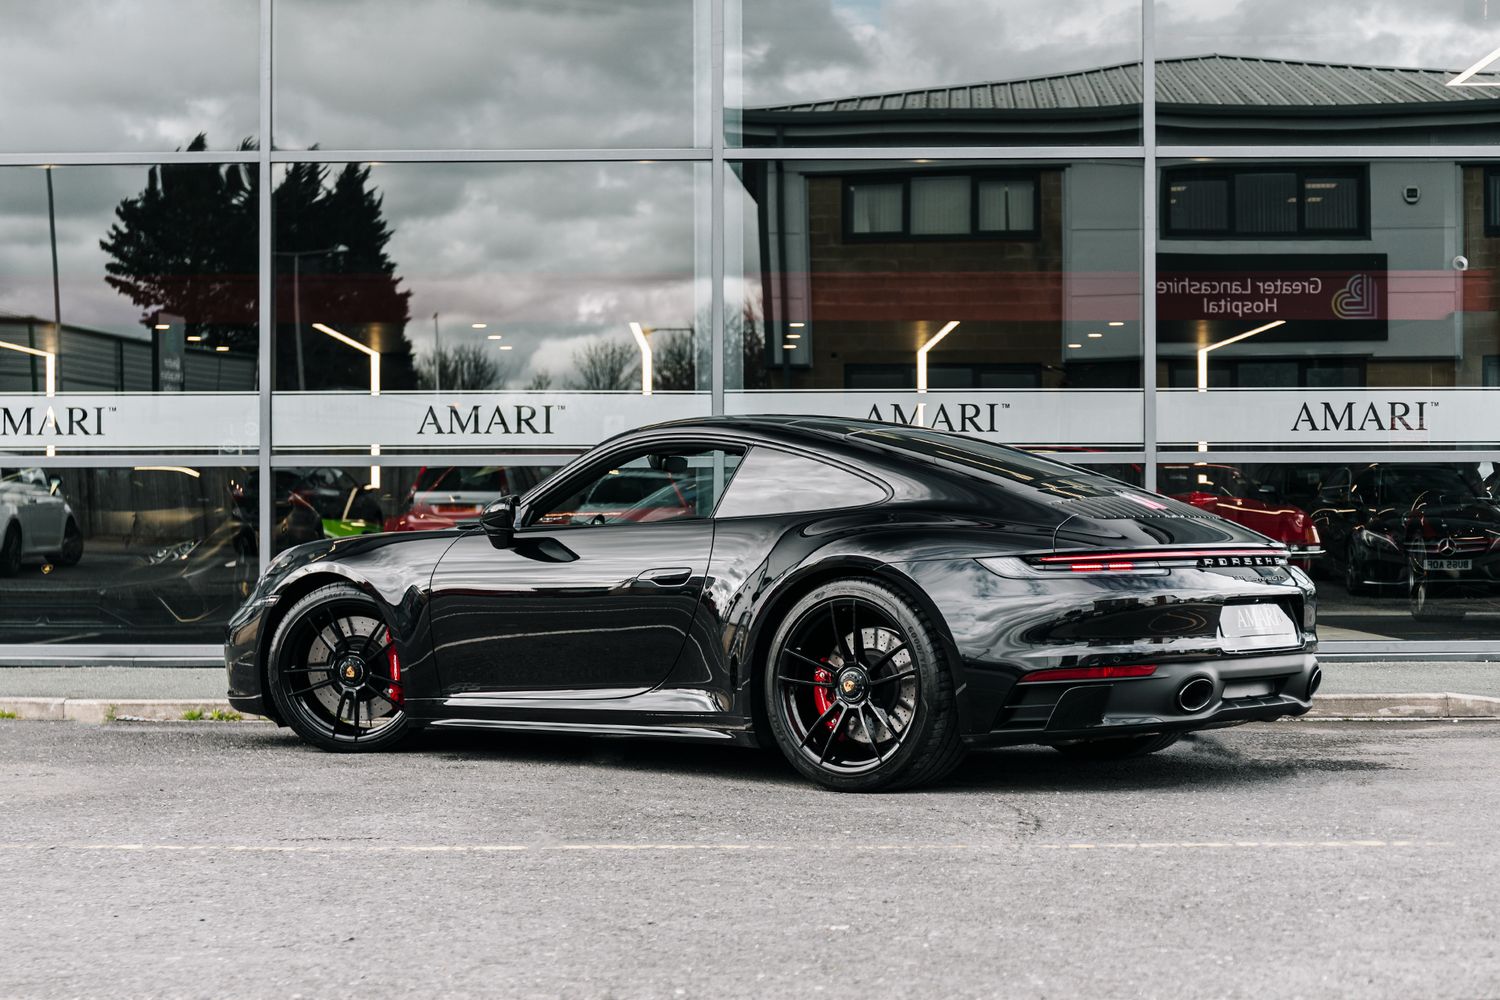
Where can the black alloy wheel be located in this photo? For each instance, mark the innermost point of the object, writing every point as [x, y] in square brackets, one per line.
[1428, 601]
[335, 674]
[1354, 576]
[10, 552]
[72, 546]
[858, 695]
[1118, 748]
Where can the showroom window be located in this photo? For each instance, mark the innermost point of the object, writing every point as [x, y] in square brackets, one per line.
[496, 239]
[1264, 202]
[943, 206]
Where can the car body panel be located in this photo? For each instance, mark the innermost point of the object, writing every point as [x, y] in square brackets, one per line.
[553, 631]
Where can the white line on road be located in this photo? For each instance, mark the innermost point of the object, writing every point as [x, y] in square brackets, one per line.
[334, 848]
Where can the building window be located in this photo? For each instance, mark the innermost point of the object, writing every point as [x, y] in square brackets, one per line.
[942, 206]
[1492, 201]
[1284, 202]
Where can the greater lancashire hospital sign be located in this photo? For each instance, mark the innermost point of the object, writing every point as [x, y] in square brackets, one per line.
[1204, 298]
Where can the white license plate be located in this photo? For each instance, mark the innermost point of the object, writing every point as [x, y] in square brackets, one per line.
[1448, 564]
[1244, 627]
[1248, 689]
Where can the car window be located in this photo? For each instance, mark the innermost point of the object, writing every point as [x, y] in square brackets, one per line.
[663, 484]
[778, 482]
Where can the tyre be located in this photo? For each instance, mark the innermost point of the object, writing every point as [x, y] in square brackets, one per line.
[1120, 748]
[1428, 602]
[72, 546]
[334, 672]
[10, 552]
[858, 692]
[1354, 576]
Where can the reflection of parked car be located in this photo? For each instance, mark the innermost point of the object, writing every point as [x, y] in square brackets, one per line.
[1431, 528]
[35, 521]
[295, 519]
[442, 497]
[654, 494]
[346, 507]
[1224, 490]
[195, 580]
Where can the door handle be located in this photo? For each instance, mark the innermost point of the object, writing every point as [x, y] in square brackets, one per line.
[671, 576]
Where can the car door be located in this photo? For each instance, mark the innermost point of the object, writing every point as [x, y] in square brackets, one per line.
[596, 593]
[40, 512]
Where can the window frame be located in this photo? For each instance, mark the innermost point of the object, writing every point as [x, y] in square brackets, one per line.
[1358, 172]
[847, 183]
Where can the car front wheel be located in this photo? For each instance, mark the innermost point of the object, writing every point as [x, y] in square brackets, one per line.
[335, 673]
[10, 552]
[72, 546]
[858, 691]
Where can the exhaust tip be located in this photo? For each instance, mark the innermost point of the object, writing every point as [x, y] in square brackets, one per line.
[1315, 681]
[1195, 695]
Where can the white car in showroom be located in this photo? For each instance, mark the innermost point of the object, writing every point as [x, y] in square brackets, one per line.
[35, 521]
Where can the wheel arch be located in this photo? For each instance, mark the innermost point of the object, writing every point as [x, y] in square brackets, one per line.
[290, 593]
[775, 606]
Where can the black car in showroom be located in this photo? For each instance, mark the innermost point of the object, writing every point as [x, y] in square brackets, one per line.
[1431, 530]
[871, 599]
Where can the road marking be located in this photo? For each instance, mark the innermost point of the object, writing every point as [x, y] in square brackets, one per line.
[335, 848]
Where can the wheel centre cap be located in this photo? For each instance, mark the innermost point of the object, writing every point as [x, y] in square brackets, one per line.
[852, 684]
[351, 671]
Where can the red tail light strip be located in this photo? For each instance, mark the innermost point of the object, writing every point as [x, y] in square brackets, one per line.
[1124, 562]
[1088, 673]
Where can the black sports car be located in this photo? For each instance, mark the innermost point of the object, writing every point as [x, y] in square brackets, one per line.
[871, 599]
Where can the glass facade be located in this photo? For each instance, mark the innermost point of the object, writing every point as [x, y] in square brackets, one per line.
[278, 270]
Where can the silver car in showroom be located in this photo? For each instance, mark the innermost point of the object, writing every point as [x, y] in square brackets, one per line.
[35, 522]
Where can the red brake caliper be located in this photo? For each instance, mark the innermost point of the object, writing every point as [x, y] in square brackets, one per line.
[395, 664]
[823, 696]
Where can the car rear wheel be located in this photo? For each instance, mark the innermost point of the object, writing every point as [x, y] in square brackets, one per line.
[72, 546]
[335, 673]
[1120, 748]
[1354, 576]
[1429, 602]
[858, 692]
[10, 552]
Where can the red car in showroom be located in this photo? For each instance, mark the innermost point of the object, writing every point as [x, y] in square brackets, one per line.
[441, 497]
[1226, 491]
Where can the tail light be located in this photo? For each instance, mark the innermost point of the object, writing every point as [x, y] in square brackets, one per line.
[1150, 562]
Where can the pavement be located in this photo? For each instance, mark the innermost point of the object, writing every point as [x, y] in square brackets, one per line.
[88, 693]
[202, 860]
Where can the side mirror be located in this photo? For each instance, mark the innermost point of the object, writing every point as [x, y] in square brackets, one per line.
[499, 521]
[1268, 493]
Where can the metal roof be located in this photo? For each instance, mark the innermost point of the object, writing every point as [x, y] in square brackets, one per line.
[1204, 81]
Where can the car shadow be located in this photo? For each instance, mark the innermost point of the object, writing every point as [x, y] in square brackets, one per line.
[1198, 761]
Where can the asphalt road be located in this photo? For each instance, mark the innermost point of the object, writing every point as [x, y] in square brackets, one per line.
[1292, 859]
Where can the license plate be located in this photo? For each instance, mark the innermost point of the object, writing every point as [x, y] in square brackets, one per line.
[1448, 564]
[1244, 627]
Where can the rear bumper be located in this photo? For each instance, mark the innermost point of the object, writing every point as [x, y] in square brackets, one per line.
[1244, 689]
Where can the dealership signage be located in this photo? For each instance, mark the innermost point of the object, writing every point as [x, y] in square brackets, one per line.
[489, 420]
[1206, 298]
[566, 420]
[1248, 417]
[223, 421]
[1086, 417]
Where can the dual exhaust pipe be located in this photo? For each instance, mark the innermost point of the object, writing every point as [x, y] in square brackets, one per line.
[1196, 693]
